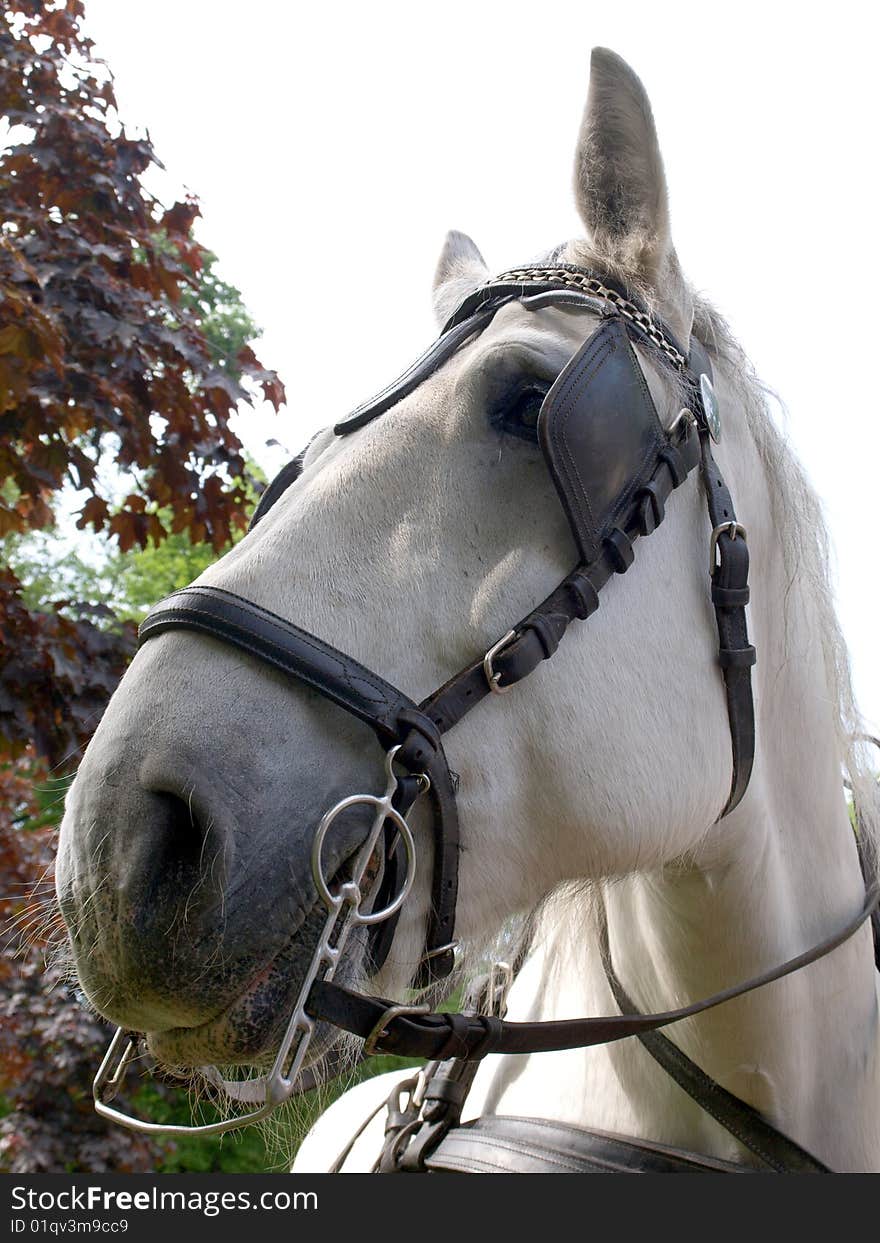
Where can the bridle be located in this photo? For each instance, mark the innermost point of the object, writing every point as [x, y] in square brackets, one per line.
[614, 468]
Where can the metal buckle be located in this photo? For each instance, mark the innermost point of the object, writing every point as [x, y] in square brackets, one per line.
[492, 677]
[344, 912]
[380, 1030]
[733, 529]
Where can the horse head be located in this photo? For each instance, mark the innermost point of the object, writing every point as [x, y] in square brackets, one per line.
[412, 539]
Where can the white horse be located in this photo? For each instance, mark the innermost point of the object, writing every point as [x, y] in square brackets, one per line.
[184, 862]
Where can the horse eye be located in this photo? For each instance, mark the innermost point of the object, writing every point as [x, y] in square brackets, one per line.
[518, 414]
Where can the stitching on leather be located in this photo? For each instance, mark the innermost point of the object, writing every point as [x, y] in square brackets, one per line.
[565, 410]
[509, 1145]
[563, 413]
[386, 716]
[606, 1137]
[657, 436]
[285, 627]
[611, 1140]
[677, 1072]
[256, 651]
[458, 1163]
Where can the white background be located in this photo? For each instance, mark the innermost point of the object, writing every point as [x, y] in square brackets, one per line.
[332, 146]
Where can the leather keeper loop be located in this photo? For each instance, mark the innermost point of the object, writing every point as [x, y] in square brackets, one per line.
[645, 521]
[620, 550]
[544, 631]
[673, 459]
[493, 1027]
[421, 725]
[445, 1091]
[733, 559]
[737, 657]
[729, 597]
[456, 1045]
[652, 493]
[585, 595]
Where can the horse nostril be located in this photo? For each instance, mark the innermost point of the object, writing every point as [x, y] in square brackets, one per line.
[182, 821]
[177, 859]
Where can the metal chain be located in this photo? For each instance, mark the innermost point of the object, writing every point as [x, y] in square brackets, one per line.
[592, 285]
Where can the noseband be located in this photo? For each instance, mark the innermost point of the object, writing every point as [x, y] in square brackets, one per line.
[614, 468]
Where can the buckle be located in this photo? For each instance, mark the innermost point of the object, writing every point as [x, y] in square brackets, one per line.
[381, 1028]
[492, 677]
[733, 529]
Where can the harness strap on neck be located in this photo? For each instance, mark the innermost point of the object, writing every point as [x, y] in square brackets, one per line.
[771, 1146]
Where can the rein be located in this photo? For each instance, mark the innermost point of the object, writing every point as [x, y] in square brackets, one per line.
[441, 1036]
[597, 414]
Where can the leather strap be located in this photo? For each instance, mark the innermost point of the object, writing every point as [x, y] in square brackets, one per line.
[278, 642]
[425, 365]
[533, 287]
[730, 595]
[771, 1146]
[506, 1145]
[442, 1035]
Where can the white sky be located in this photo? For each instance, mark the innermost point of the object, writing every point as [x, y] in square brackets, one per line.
[333, 145]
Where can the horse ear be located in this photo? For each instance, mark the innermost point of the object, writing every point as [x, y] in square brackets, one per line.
[621, 187]
[460, 270]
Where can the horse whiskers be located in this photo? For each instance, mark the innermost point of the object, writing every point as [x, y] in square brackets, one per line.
[25, 884]
[59, 961]
[42, 903]
[78, 923]
[217, 958]
[36, 911]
